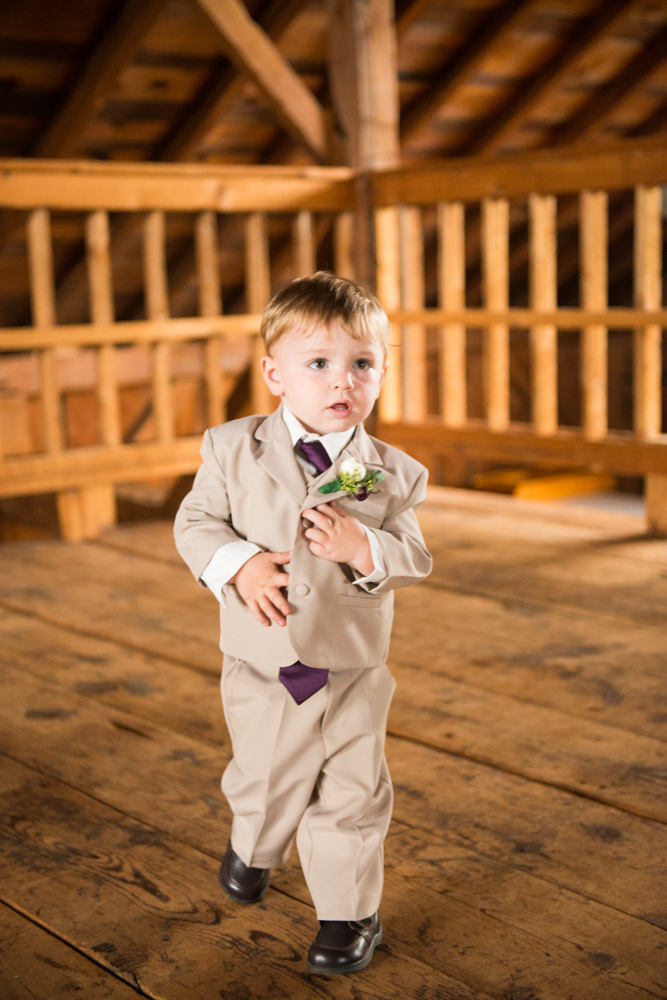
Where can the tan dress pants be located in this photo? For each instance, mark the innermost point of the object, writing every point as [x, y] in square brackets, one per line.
[316, 770]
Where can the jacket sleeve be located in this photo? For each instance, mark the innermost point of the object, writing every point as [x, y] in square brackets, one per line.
[204, 521]
[407, 560]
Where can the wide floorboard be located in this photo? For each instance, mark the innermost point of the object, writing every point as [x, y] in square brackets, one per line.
[527, 742]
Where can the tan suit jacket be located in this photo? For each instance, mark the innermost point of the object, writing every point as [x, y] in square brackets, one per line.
[250, 486]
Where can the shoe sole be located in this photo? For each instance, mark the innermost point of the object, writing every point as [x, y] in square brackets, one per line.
[357, 967]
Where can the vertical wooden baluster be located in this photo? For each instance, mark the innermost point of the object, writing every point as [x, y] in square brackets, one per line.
[98, 503]
[495, 237]
[102, 313]
[648, 342]
[344, 245]
[210, 304]
[258, 292]
[451, 295]
[157, 308]
[593, 224]
[43, 316]
[648, 295]
[389, 291]
[304, 248]
[412, 297]
[543, 294]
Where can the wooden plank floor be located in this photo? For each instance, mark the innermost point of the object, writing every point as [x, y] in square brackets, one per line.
[526, 859]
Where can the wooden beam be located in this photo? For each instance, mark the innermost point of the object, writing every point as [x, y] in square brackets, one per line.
[552, 171]
[458, 70]
[115, 49]
[618, 454]
[253, 52]
[519, 108]
[364, 82]
[223, 91]
[598, 107]
[135, 187]
[88, 467]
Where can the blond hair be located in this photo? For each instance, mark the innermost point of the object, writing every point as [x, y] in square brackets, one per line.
[324, 298]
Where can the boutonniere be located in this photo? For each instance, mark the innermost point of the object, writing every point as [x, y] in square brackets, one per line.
[353, 478]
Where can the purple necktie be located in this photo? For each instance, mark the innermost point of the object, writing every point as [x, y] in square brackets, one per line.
[301, 681]
[316, 454]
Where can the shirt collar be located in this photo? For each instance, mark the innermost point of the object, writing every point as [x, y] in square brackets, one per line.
[333, 443]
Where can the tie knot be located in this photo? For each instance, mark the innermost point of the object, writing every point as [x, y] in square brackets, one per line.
[315, 453]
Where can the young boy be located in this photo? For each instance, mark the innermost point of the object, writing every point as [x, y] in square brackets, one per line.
[302, 526]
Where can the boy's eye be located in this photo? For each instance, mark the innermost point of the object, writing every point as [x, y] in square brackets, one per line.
[362, 363]
[318, 363]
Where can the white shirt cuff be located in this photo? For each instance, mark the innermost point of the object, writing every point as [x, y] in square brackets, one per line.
[379, 571]
[225, 563]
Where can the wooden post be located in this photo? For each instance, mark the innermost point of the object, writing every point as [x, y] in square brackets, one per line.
[363, 79]
[411, 246]
[43, 299]
[648, 341]
[388, 290]
[84, 513]
[593, 207]
[98, 504]
[344, 245]
[543, 293]
[157, 308]
[648, 295]
[304, 248]
[451, 295]
[210, 304]
[258, 293]
[495, 253]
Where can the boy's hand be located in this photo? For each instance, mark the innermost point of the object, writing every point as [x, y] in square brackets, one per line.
[259, 581]
[339, 537]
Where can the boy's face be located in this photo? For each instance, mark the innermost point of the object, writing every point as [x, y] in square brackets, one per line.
[328, 380]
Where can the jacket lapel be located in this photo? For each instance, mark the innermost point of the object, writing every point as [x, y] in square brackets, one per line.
[276, 456]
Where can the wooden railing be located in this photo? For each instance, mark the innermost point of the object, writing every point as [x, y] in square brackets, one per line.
[199, 358]
[83, 477]
[438, 425]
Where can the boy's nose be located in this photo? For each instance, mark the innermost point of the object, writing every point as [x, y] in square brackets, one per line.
[342, 380]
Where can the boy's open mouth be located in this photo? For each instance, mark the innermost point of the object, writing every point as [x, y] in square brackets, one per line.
[340, 407]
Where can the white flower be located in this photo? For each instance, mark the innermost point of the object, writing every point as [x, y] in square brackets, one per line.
[352, 467]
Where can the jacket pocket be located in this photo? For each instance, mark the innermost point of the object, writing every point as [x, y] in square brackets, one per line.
[359, 602]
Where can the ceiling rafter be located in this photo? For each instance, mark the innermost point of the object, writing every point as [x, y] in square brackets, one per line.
[598, 107]
[462, 65]
[254, 53]
[115, 49]
[220, 93]
[521, 105]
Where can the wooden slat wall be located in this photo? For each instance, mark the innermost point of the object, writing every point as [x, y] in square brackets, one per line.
[399, 238]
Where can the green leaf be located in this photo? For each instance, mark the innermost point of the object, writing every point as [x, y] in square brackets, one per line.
[332, 487]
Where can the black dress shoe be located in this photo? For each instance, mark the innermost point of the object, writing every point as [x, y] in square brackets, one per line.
[240, 883]
[344, 945]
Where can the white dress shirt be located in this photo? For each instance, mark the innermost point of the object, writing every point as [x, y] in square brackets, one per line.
[229, 558]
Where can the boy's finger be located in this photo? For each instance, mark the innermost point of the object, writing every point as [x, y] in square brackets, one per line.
[280, 558]
[277, 600]
[270, 610]
[319, 518]
[281, 580]
[316, 535]
[336, 508]
[257, 612]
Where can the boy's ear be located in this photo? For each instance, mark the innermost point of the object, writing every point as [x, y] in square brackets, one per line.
[271, 374]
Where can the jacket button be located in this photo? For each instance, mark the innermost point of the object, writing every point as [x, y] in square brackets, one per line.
[302, 589]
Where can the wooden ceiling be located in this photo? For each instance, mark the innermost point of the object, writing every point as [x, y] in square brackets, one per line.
[162, 80]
